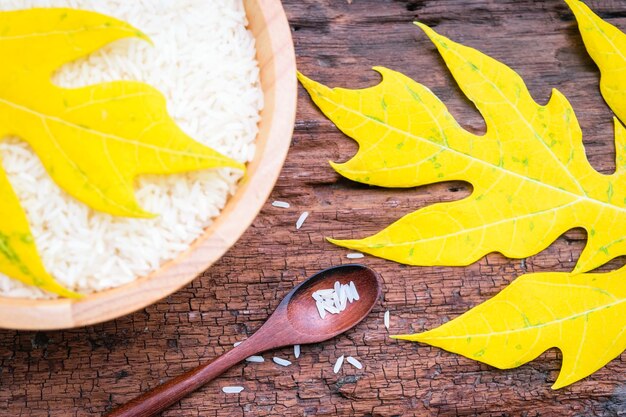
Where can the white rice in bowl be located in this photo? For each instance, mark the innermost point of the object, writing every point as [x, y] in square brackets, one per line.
[203, 61]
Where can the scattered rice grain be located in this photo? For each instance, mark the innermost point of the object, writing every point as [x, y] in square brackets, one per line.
[232, 390]
[296, 351]
[301, 219]
[255, 359]
[338, 364]
[354, 362]
[386, 319]
[280, 204]
[281, 361]
[355, 255]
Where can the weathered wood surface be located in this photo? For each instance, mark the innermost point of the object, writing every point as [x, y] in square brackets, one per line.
[87, 371]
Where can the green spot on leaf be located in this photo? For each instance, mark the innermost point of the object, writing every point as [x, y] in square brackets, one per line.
[415, 96]
[374, 118]
[7, 250]
[27, 238]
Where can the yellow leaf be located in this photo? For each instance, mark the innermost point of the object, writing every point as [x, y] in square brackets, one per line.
[582, 315]
[531, 178]
[607, 46]
[93, 141]
[18, 254]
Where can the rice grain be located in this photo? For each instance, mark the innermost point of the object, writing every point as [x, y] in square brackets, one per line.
[281, 361]
[320, 309]
[355, 293]
[232, 390]
[301, 219]
[354, 362]
[338, 364]
[280, 204]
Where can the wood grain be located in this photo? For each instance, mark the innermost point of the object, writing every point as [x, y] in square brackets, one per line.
[87, 371]
[276, 59]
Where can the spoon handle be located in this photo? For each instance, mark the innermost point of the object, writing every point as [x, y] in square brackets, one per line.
[164, 395]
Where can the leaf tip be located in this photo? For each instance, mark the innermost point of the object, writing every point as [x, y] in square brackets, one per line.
[231, 163]
[581, 10]
[304, 80]
[379, 69]
[409, 337]
[312, 87]
[420, 25]
[58, 289]
[124, 29]
[580, 267]
[339, 242]
[560, 383]
[427, 29]
[573, 3]
[340, 168]
[618, 126]
[440, 41]
[144, 37]
[334, 165]
[72, 295]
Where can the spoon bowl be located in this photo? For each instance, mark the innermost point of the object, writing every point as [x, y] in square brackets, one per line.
[295, 321]
[302, 313]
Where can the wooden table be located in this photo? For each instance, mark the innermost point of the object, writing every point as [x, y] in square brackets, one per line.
[87, 371]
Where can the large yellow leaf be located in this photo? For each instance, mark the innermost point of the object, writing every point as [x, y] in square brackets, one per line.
[531, 178]
[607, 46]
[93, 141]
[582, 315]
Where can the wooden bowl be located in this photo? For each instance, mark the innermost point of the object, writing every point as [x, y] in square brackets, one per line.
[277, 62]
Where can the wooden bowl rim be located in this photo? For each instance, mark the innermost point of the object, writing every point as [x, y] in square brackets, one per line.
[268, 22]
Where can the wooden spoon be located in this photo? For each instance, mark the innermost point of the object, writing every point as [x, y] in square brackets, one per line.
[295, 321]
